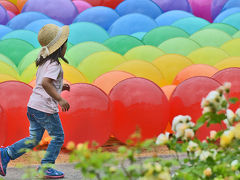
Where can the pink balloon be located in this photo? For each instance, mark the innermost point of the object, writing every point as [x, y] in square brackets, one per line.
[11, 14]
[14, 97]
[186, 100]
[3, 126]
[202, 8]
[88, 118]
[81, 5]
[230, 75]
[138, 103]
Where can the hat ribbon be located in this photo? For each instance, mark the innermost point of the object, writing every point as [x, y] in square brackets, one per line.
[44, 52]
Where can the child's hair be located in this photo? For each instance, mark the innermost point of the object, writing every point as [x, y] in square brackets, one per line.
[54, 57]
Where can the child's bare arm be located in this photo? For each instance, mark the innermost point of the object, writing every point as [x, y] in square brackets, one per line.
[50, 89]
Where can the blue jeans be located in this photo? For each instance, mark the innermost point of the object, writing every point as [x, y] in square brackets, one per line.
[39, 121]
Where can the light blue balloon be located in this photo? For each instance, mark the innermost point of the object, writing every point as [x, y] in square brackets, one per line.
[85, 31]
[145, 7]
[132, 23]
[226, 13]
[191, 24]
[37, 25]
[102, 16]
[25, 35]
[230, 4]
[22, 20]
[170, 17]
[139, 35]
[4, 30]
[233, 20]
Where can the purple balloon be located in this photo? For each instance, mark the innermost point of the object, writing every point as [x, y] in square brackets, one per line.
[167, 5]
[217, 6]
[4, 18]
[62, 10]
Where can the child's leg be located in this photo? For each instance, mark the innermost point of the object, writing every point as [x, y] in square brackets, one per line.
[36, 133]
[55, 130]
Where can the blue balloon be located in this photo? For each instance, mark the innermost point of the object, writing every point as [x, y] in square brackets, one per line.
[233, 20]
[35, 26]
[4, 30]
[24, 35]
[168, 5]
[170, 17]
[22, 20]
[102, 16]
[226, 13]
[216, 7]
[138, 35]
[132, 23]
[231, 4]
[85, 31]
[4, 18]
[191, 24]
[145, 7]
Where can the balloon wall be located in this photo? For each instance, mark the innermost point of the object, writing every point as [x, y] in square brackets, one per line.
[118, 47]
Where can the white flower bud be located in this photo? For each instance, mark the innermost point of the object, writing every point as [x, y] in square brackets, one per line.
[162, 139]
[192, 146]
[189, 134]
[213, 135]
[204, 155]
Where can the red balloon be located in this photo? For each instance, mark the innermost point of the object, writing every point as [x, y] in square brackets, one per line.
[9, 6]
[3, 126]
[112, 4]
[14, 97]
[186, 100]
[138, 102]
[88, 118]
[230, 75]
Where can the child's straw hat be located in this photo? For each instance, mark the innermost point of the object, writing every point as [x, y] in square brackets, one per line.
[51, 38]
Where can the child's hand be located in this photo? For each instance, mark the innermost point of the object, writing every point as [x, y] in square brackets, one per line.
[64, 105]
[66, 87]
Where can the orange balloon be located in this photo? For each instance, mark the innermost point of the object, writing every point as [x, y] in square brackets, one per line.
[107, 80]
[194, 70]
[168, 92]
[20, 4]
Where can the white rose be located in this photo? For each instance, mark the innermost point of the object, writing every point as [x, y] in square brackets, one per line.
[180, 130]
[189, 134]
[162, 139]
[230, 116]
[175, 122]
[213, 135]
[192, 146]
[204, 155]
[212, 96]
[206, 110]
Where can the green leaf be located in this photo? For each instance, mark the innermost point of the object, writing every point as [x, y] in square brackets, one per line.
[200, 122]
[233, 100]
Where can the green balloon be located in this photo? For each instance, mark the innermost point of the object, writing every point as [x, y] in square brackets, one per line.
[179, 45]
[121, 44]
[99, 63]
[236, 35]
[8, 61]
[223, 27]
[80, 51]
[28, 59]
[146, 53]
[15, 49]
[233, 20]
[163, 33]
[211, 37]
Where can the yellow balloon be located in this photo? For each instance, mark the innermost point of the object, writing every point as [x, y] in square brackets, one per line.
[144, 69]
[171, 64]
[9, 70]
[6, 77]
[147, 53]
[99, 63]
[29, 73]
[72, 74]
[228, 62]
[207, 55]
[232, 47]
[13, 1]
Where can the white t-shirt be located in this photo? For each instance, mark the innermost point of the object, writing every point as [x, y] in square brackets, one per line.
[40, 100]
